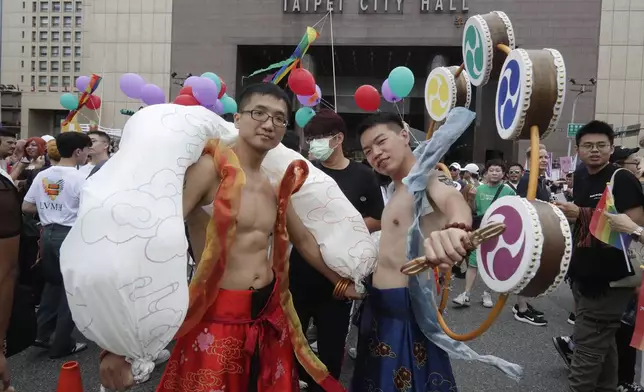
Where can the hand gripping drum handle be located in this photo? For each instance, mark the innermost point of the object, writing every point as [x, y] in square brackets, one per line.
[473, 240]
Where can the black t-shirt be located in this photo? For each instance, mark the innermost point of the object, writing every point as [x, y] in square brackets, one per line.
[359, 184]
[543, 193]
[595, 264]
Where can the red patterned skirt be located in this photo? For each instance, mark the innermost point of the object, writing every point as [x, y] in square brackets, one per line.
[242, 344]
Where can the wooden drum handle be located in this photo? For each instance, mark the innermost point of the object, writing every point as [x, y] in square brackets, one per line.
[474, 239]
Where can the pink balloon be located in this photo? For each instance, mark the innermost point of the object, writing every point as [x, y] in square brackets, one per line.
[311, 100]
[387, 94]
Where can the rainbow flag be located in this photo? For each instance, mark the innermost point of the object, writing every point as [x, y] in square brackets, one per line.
[599, 226]
[637, 341]
[287, 65]
[94, 81]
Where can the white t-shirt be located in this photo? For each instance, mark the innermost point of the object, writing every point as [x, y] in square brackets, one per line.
[86, 169]
[56, 194]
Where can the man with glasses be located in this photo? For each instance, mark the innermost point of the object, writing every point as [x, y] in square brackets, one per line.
[515, 173]
[595, 265]
[236, 335]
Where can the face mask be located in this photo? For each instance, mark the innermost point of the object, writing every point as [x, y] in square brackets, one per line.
[321, 149]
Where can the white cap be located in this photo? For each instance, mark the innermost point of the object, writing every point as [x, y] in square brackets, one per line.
[47, 138]
[472, 168]
[456, 165]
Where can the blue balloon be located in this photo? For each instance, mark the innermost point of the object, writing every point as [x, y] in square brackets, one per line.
[401, 81]
[230, 106]
[303, 116]
[69, 101]
[212, 76]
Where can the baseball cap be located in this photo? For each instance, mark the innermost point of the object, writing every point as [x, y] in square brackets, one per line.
[47, 138]
[622, 153]
[456, 165]
[472, 168]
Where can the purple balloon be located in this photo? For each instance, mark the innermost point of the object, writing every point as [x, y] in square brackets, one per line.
[82, 82]
[131, 85]
[218, 108]
[311, 100]
[387, 94]
[191, 81]
[151, 94]
[205, 91]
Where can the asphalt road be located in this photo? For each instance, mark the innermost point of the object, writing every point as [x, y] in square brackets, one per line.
[520, 343]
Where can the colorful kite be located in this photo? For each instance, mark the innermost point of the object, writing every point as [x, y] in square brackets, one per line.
[287, 65]
[94, 82]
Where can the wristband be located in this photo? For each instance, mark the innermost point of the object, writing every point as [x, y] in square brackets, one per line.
[341, 288]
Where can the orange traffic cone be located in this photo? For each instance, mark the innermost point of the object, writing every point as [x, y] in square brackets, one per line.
[69, 379]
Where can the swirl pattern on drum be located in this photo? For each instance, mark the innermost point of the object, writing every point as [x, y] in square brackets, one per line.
[513, 94]
[508, 263]
[440, 93]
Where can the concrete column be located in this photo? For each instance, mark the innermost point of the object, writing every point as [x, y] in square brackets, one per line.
[487, 143]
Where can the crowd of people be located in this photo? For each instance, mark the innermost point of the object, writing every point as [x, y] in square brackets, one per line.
[40, 190]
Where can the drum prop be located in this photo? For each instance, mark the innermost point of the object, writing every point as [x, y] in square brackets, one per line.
[529, 100]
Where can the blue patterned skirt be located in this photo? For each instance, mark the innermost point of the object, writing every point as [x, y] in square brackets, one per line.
[393, 354]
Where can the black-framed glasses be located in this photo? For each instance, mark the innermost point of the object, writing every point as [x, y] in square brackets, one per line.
[514, 172]
[262, 116]
[601, 146]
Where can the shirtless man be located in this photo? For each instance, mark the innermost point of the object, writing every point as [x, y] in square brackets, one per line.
[393, 354]
[241, 342]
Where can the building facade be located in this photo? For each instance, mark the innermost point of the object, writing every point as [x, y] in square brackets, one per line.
[47, 44]
[370, 37]
[620, 73]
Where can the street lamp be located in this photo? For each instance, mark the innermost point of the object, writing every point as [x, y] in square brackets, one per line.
[579, 88]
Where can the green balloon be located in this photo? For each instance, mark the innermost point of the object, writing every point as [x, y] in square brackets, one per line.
[212, 76]
[303, 116]
[69, 101]
[401, 81]
[230, 106]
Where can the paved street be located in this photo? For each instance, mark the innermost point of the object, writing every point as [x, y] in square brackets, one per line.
[529, 346]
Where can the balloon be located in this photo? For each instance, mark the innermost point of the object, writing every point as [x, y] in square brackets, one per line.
[387, 94]
[401, 81]
[186, 100]
[229, 104]
[94, 102]
[301, 82]
[82, 82]
[303, 116]
[367, 98]
[131, 85]
[191, 81]
[69, 101]
[311, 100]
[186, 90]
[218, 107]
[205, 91]
[152, 94]
[222, 90]
[213, 77]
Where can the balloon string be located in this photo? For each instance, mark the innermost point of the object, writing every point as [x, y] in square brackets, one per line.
[327, 103]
